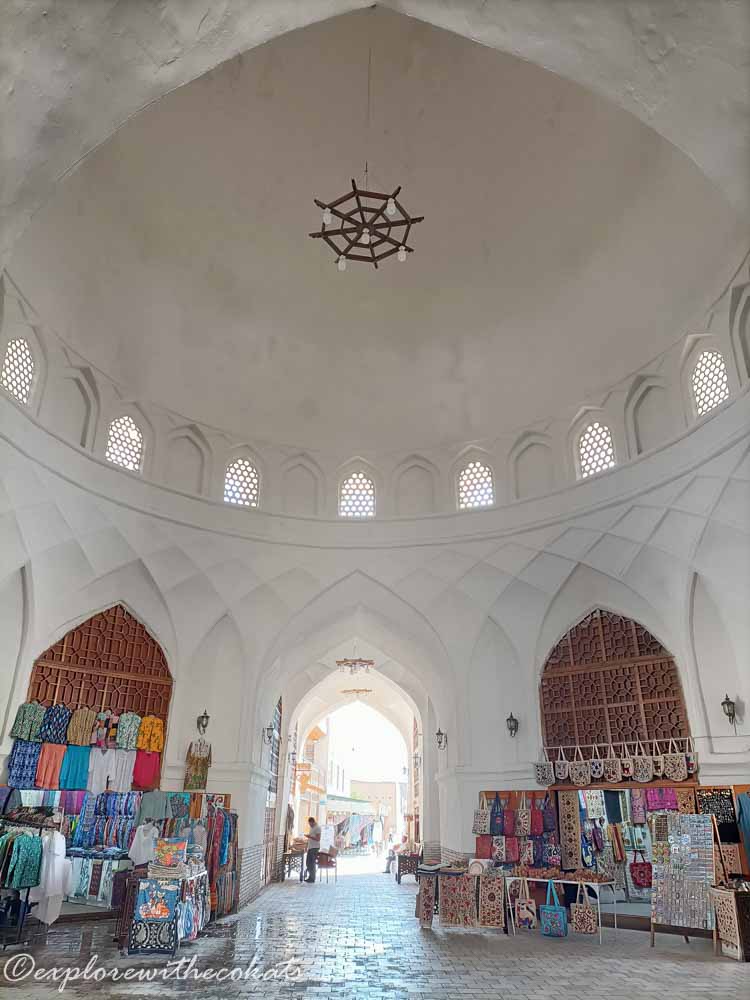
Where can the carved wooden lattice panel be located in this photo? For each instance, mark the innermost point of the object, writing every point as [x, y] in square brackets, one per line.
[609, 680]
[108, 662]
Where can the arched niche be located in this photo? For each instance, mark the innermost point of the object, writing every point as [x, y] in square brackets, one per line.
[415, 488]
[609, 680]
[531, 467]
[186, 460]
[108, 661]
[302, 487]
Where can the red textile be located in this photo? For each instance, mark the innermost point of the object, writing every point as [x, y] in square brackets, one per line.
[146, 770]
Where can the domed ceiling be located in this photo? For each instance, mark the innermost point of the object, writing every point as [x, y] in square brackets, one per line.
[564, 243]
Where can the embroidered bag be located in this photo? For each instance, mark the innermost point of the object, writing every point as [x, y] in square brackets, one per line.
[549, 815]
[638, 804]
[597, 764]
[626, 762]
[481, 817]
[512, 849]
[483, 846]
[523, 819]
[641, 871]
[538, 849]
[496, 817]
[525, 908]
[553, 917]
[675, 764]
[597, 836]
[587, 851]
[561, 765]
[498, 848]
[527, 852]
[580, 769]
[691, 757]
[537, 819]
[583, 917]
[551, 853]
[643, 766]
[657, 758]
[661, 800]
[612, 766]
[544, 770]
[509, 821]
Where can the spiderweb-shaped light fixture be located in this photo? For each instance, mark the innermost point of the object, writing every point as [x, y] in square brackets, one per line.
[366, 226]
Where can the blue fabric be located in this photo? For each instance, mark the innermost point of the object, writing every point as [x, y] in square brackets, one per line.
[55, 725]
[22, 764]
[74, 770]
[157, 899]
[743, 819]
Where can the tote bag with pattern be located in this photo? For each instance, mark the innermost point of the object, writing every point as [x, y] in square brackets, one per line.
[643, 765]
[612, 766]
[544, 770]
[537, 819]
[525, 908]
[691, 757]
[553, 918]
[509, 821]
[561, 765]
[580, 769]
[675, 764]
[657, 758]
[483, 846]
[626, 762]
[583, 916]
[498, 848]
[496, 817]
[523, 819]
[481, 818]
[641, 871]
[549, 815]
[597, 764]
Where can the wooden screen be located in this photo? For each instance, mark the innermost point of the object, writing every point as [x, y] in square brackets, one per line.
[608, 680]
[108, 662]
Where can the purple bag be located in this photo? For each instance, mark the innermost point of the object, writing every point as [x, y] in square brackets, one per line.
[509, 822]
[661, 799]
[638, 805]
[549, 816]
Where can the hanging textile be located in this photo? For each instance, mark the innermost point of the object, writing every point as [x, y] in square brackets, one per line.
[457, 901]
[491, 900]
[570, 830]
[427, 884]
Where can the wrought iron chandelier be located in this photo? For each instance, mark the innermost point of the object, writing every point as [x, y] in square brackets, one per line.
[366, 226]
[355, 665]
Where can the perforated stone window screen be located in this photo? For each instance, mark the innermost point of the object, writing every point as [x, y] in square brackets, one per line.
[475, 488]
[17, 372]
[596, 449]
[125, 444]
[242, 483]
[710, 382]
[357, 496]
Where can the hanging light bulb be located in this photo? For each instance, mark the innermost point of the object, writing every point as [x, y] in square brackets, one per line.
[327, 217]
[402, 253]
[341, 263]
[365, 236]
[390, 207]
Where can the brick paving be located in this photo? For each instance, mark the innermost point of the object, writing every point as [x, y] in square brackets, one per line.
[359, 939]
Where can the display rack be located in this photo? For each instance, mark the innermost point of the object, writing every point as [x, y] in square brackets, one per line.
[562, 881]
[23, 911]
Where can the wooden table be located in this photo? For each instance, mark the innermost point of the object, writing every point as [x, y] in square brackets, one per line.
[291, 861]
[406, 864]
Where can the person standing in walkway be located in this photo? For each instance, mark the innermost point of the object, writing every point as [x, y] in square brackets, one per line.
[313, 848]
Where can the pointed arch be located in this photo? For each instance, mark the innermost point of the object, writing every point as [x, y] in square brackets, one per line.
[242, 479]
[359, 490]
[302, 486]
[534, 450]
[473, 475]
[187, 459]
[415, 487]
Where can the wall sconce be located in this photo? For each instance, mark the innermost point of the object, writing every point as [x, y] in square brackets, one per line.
[202, 722]
[442, 739]
[729, 710]
[512, 723]
[268, 735]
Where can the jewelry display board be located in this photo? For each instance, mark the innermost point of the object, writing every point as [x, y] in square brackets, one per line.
[683, 873]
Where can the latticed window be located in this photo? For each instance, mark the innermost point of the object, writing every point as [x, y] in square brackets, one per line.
[125, 444]
[596, 449]
[242, 483]
[475, 487]
[17, 372]
[357, 496]
[710, 382]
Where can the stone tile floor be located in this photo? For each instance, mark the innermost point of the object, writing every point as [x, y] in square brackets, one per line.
[359, 939]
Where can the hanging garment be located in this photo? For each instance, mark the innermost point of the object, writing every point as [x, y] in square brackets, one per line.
[146, 769]
[594, 804]
[101, 766]
[28, 723]
[154, 805]
[743, 819]
[25, 862]
[121, 779]
[49, 764]
[151, 734]
[54, 728]
[661, 799]
[198, 761]
[612, 806]
[127, 731]
[638, 804]
[75, 769]
[80, 726]
[100, 729]
[55, 879]
[22, 764]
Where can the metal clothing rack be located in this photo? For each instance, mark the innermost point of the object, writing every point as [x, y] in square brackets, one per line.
[24, 905]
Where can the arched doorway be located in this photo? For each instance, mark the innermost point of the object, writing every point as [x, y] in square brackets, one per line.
[610, 681]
